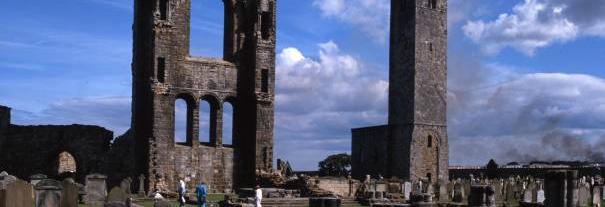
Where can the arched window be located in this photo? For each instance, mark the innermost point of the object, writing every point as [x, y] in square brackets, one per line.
[429, 177]
[207, 28]
[180, 121]
[164, 8]
[204, 122]
[66, 164]
[429, 141]
[227, 124]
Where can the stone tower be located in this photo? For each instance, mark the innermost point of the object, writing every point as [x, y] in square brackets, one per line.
[414, 144]
[164, 71]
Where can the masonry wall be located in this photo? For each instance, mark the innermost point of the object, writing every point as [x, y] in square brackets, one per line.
[29, 150]
[164, 71]
[369, 153]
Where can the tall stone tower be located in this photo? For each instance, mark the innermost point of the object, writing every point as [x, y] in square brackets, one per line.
[164, 71]
[414, 144]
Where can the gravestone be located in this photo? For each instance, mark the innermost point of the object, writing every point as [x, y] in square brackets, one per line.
[34, 179]
[70, 193]
[528, 195]
[96, 189]
[141, 185]
[583, 195]
[125, 185]
[15, 192]
[458, 194]
[443, 195]
[117, 194]
[407, 190]
[540, 198]
[48, 193]
[596, 196]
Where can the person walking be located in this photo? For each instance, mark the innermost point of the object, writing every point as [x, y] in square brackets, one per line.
[201, 191]
[181, 190]
[258, 198]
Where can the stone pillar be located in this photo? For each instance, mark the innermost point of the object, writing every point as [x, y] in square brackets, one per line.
[142, 185]
[216, 124]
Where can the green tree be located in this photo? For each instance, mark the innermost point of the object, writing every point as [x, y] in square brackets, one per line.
[335, 165]
[492, 169]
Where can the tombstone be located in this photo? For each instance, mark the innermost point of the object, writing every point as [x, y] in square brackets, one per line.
[482, 196]
[583, 195]
[15, 192]
[458, 193]
[117, 194]
[528, 195]
[70, 193]
[141, 185]
[560, 188]
[442, 188]
[34, 179]
[596, 195]
[96, 189]
[540, 196]
[407, 190]
[125, 185]
[48, 193]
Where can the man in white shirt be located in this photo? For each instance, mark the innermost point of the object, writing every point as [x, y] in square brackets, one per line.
[259, 197]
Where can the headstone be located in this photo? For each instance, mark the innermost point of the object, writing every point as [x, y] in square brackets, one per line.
[584, 195]
[96, 189]
[141, 185]
[117, 194]
[443, 195]
[70, 193]
[540, 196]
[596, 196]
[407, 190]
[34, 179]
[527, 195]
[458, 194]
[125, 185]
[48, 193]
[15, 192]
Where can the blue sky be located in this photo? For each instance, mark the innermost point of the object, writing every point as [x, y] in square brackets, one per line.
[523, 74]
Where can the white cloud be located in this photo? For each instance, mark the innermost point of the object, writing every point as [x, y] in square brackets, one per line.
[370, 16]
[535, 24]
[319, 100]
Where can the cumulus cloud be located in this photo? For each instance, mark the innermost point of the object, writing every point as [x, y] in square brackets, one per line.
[319, 99]
[370, 16]
[534, 24]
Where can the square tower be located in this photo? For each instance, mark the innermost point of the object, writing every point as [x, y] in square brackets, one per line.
[415, 139]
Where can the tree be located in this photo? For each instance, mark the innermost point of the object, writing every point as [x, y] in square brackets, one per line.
[492, 169]
[335, 165]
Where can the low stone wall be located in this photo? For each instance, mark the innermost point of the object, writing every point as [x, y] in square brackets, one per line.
[342, 187]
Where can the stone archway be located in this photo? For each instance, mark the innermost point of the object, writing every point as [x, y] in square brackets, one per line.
[66, 163]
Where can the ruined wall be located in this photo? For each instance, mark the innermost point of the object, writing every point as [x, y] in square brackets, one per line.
[29, 150]
[164, 71]
[369, 152]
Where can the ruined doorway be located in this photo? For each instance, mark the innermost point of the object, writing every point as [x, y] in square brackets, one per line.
[66, 163]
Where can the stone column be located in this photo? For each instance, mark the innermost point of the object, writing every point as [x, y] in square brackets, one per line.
[216, 124]
[142, 185]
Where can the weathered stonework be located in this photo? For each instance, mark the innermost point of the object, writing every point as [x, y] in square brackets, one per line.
[414, 144]
[164, 71]
[30, 150]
